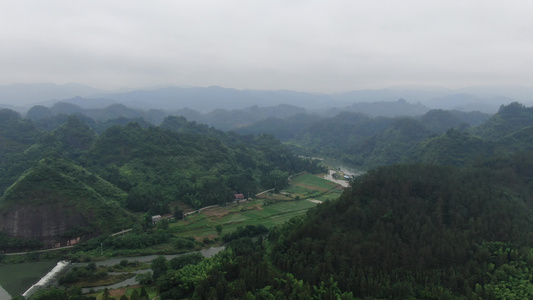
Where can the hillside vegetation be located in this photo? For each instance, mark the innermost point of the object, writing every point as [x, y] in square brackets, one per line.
[90, 183]
[400, 232]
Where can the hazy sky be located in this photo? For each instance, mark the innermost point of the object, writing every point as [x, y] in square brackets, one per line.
[319, 46]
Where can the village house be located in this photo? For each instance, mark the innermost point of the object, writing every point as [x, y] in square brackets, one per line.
[156, 218]
[239, 197]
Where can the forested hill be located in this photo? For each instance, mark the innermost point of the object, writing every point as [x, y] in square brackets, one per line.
[437, 137]
[422, 231]
[146, 168]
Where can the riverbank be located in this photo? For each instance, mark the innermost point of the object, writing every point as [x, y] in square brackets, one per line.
[329, 176]
[51, 278]
[15, 279]
[4, 294]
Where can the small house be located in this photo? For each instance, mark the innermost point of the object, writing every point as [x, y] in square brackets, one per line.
[156, 218]
[239, 197]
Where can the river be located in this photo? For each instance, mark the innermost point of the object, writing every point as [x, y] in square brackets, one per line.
[52, 276]
[335, 166]
[345, 168]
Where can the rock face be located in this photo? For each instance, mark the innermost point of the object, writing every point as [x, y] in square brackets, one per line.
[50, 224]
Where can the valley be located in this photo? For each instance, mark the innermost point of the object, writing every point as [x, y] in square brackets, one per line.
[439, 206]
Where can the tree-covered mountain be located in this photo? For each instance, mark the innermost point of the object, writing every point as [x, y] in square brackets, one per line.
[423, 231]
[42, 114]
[231, 119]
[509, 119]
[363, 140]
[16, 136]
[151, 169]
[48, 118]
[437, 137]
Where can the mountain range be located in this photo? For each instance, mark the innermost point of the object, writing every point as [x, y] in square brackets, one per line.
[21, 97]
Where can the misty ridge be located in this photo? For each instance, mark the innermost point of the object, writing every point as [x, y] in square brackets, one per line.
[232, 109]
[21, 97]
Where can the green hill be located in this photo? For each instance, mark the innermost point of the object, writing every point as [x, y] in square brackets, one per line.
[510, 118]
[16, 136]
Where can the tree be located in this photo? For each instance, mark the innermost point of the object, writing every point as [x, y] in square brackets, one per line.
[144, 294]
[163, 224]
[218, 228]
[106, 295]
[144, 278]
[178, 213]
[135, 295]
[159, 267]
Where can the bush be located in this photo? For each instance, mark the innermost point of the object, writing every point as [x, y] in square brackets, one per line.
[248, 231]
[183, 243]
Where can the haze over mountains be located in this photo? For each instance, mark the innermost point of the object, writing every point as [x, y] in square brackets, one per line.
[21, 97]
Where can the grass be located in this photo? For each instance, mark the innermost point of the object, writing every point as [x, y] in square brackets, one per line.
[151, 290]
[116, 293]
[313, 182]
[109, 280]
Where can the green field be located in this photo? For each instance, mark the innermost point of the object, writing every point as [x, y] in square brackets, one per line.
[313, 181]
[268, 211]
[16, 278]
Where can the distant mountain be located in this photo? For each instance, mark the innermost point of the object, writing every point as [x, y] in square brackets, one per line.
[206, 99]
[21, 94]
[45, 116]
[219, 118]
[520, 93]
[468, 102]
[438, 120]
[383, 109]
[233, 119]
[83, 102]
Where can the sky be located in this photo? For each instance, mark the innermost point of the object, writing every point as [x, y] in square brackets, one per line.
[314, 46]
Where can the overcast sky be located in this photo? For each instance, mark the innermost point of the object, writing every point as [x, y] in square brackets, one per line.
[318, 46]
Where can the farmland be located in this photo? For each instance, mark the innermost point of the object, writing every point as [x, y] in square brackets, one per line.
[269, 209]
